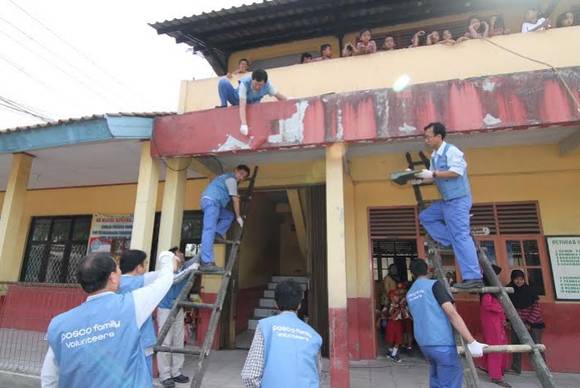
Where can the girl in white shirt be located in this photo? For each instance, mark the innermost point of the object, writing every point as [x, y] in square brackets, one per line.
[533, 22]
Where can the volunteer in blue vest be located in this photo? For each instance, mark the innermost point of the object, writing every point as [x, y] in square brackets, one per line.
[447, 220]
[251, 89]
[434, 315]
[99, 344]
[217, 218]
[285, 351]
[170, 365]
[135, 275]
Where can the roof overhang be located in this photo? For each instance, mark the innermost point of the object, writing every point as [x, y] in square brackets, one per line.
[98, 128]
[218, 34]
[485, 104]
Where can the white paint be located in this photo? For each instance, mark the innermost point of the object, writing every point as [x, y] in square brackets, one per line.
[488, 85]
[490, 120]
[292, 128]
[339, 125]
[407, 129]
[232, 144]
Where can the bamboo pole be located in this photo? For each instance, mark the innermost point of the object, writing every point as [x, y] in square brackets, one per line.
[508, 349]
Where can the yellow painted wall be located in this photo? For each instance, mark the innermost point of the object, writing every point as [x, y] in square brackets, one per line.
[525, 173]
[292, 262]
[422, 64]
[259, 252]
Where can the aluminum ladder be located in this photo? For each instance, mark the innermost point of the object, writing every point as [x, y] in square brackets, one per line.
[202, 353]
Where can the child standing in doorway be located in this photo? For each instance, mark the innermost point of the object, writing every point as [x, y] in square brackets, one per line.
[395, 325]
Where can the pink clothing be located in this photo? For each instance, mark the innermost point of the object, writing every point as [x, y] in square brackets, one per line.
[492, 322]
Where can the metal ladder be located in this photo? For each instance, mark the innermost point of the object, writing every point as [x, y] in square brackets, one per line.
[434, 253]
[202, 353]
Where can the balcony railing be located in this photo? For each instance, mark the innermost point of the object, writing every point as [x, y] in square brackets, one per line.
[499, 55]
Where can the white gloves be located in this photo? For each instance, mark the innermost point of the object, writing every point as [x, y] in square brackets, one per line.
[244, 129]
[425, 174]
[415, 182]
[476, 349]
[240, 221]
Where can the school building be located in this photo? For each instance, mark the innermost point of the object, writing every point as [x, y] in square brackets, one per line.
[324, 209]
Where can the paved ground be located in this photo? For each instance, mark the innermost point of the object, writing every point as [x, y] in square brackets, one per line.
[224, 372]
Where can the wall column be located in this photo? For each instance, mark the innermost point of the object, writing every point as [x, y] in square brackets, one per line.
[145, 201]
[336, 261]
[12, 215]
[173, 199]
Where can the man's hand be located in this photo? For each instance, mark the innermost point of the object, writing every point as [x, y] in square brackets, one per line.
[476, 349]
[425, 174]
[240, 221]
[244, 129]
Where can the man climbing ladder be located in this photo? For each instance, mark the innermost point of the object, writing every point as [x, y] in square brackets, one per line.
[217, 219]
[447, 221]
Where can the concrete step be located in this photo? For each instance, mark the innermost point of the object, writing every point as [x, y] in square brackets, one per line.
[272, 286]
[268, 303]
[264, 312]
[252, 324]
[269, 294]
[299, 279]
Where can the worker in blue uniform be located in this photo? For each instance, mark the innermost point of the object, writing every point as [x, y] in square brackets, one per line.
[447, 220]
[434, 315]
[217, 218]
[99, 343]
[134, 276]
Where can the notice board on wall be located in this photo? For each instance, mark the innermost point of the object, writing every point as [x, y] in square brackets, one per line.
[110, 234]
[565, 262]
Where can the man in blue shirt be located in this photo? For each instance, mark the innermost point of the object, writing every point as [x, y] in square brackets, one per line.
[434, 314]
[251, 90]
[170, 365]
[135, 275]
[285, 351]
[217, 219]
[98, 344]
[447, 221]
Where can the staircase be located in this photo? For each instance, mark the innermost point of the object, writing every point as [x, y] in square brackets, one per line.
[267, 305]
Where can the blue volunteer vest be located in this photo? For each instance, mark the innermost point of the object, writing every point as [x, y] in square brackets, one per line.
[291, 349]
[131, 283]
[97, 344]
[172, 294]
[254, 96]
[430, 324]
[217, 189]
[453, 187]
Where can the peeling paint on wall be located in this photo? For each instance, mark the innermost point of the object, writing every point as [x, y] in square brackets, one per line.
[490, 120]
[292, 128]
[407, 129]
[488, 85]
[233, 144]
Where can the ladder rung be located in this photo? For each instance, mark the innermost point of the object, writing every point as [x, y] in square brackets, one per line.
[195, 305]
[519, 348]
[171, 349]
[483, 290]
[218, 273]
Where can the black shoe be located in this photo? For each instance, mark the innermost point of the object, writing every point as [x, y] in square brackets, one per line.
[169, 383]
[221, 106]
[395, 358]
[501, 383]
[181, 379]
[210, 268]
[219, 239]
[514, 371]
[469, 284]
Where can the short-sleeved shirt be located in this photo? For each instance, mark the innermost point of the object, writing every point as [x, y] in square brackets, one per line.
[246, 94]
[527, 27]
[232, 186]
[440, 293]
[455, 159]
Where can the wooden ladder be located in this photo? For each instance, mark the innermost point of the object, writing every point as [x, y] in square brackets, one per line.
[434, 253]
[202, 353]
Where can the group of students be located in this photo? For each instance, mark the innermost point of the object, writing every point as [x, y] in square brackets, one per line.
[477, 28]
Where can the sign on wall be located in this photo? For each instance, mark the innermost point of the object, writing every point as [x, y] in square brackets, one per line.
[565, 261]
[110, 234]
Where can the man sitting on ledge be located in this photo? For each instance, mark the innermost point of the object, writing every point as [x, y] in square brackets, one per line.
[251, 89]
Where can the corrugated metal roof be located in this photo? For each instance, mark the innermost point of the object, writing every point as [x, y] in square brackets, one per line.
[219, 33]
[85, 118]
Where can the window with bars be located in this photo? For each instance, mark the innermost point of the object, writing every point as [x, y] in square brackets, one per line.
[56, 245]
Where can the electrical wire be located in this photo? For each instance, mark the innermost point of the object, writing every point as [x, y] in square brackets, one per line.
[21, 69]
[548, 65]
[18, 107]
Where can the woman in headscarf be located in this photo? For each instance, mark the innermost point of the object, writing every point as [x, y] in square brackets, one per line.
[526, 301]
[493, 325]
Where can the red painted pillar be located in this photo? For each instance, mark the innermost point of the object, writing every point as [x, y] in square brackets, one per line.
[336, 260]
